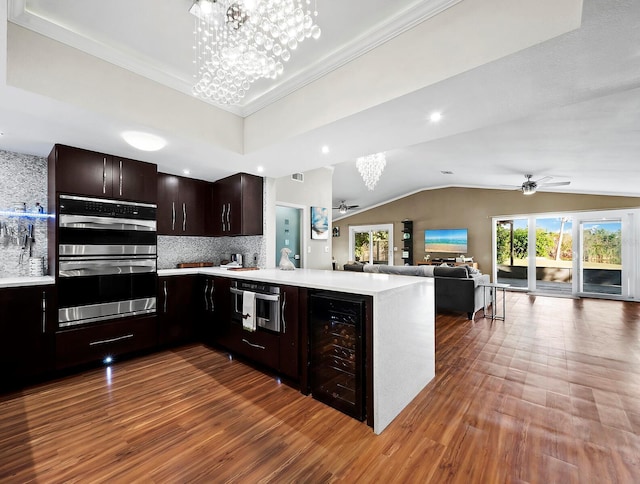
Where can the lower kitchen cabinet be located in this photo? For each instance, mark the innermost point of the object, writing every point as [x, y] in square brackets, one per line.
[95, 343]
[27, 325]
[176, 313]
[260, 346]
[289, 357]
[213, 297]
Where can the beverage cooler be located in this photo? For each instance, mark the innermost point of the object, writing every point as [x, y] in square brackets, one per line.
[336, 373]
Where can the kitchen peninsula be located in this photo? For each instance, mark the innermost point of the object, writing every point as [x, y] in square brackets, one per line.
[402, 338]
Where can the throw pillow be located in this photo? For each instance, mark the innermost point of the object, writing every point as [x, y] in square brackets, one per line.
[472, 270]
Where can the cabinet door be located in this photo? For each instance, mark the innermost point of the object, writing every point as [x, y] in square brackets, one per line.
[175, 309]
[26, 346]
[251, 205]
[192, 206]
[215, 296]
[168, 204]
[134, 180]
[289, 336]
[81, 172]
[95, 343]
[220, 217]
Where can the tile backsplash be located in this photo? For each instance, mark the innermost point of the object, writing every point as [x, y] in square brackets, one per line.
[176, 250]
[23, 184]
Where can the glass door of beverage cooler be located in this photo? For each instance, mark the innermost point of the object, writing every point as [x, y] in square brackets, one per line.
[337, 362]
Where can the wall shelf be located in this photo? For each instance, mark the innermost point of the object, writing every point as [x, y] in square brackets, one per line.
[407, 242]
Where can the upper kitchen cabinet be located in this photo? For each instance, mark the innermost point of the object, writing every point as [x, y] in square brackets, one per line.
[82, 172]
[237, 205]
[183, 205]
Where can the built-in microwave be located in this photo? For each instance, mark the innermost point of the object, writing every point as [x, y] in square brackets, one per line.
[267, 310]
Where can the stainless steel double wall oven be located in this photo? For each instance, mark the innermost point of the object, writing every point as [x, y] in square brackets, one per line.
[106, 260]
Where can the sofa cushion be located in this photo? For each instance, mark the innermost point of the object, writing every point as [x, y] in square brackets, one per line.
[458, 272]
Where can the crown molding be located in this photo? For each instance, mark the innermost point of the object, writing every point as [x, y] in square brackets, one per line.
[392, 27]
[403, 20]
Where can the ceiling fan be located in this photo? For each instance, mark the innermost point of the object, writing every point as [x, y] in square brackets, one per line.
[343, 207]
[529, 186]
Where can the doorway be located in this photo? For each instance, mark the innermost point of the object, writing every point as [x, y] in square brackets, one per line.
[371, 244]
[288, 233]
[601, 261]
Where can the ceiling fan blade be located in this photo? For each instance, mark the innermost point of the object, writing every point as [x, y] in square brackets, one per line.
[554, 184]
[542, 179]
[352, 206]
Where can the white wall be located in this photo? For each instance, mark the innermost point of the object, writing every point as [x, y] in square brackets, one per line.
[315, 191]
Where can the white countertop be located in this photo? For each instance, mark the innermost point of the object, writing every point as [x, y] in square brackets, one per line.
[341, 281]
[26, 281]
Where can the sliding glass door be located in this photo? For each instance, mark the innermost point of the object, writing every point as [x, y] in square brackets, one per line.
[601, 262]
[554, 254]
[594, 254]
[371, 243]
[512, 253]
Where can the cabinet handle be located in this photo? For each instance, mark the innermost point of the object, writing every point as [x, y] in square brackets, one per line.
[284, 305]
[112, 340]
[120, 177]
[254, 345]
[44, 312]
[224, 209]
[211, 293]
[228, 214]
[173, 215]
[206, 301]
[165, 297]
[184, 216]
[104, 174]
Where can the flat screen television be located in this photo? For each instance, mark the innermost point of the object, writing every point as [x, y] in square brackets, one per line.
[446, 240]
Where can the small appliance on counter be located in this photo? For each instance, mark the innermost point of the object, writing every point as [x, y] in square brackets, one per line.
[237, 259]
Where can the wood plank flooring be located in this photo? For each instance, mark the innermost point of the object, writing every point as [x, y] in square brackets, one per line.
[550, 395]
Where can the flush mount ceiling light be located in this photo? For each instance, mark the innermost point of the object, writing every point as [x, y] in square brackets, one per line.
[240, 41]
[370, 168]
[144, 141]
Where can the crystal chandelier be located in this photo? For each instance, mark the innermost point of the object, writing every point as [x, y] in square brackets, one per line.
[240, 41]
[370, 168]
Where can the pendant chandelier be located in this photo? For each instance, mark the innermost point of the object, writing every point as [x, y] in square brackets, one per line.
[239, 41]
[370, 168]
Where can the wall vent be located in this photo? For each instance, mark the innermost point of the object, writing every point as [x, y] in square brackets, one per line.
[298, 177]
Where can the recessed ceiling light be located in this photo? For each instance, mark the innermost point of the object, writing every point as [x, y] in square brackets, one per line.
[144, 141]
[325, 150]
[260, 169]
[435, 116]
[186, 171]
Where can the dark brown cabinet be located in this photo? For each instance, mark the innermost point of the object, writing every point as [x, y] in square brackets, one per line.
[183, 205]
[289, 356]
[84, 172]
[237, 205]
[94, 344]
[26, 346]
[213, 325]
[277, 350]
[176, 312]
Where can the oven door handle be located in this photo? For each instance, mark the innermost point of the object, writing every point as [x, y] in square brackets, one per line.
[259, 295]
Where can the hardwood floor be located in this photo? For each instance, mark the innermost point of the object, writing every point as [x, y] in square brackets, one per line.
[550, 395]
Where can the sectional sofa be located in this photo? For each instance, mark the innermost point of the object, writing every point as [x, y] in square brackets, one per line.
[457, 289]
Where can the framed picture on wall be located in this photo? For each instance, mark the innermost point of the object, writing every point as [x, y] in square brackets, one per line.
[319, 223]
